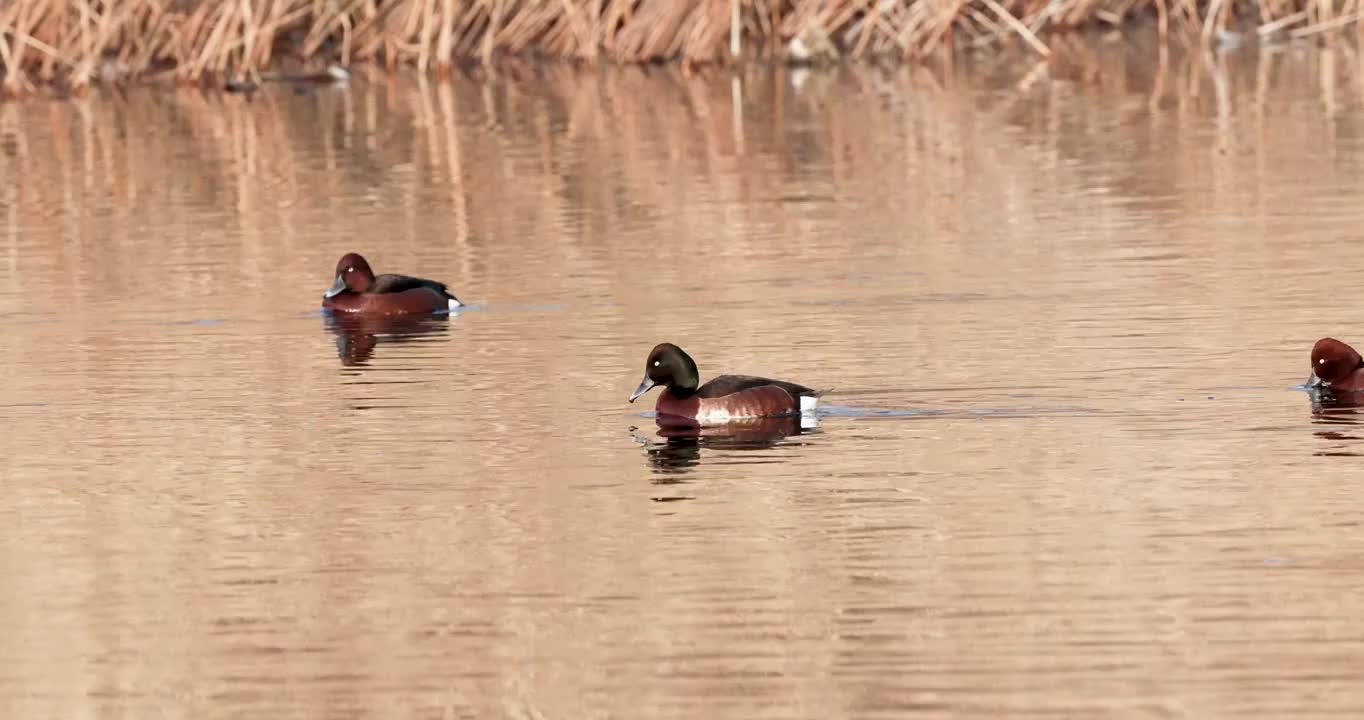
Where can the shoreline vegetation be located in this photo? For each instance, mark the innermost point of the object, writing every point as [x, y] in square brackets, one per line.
[70, 45]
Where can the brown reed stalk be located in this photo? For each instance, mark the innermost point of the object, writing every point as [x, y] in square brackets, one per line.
[79, 42]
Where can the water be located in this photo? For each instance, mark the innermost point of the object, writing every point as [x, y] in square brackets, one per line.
[1064, 470]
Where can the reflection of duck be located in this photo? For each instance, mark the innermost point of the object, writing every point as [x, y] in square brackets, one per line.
[745, 433]
[358, 334]
[685, 441]
[1326, 405]
[1339, 420]
[333, 74]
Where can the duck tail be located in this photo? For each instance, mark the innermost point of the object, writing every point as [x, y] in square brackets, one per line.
[811, 401]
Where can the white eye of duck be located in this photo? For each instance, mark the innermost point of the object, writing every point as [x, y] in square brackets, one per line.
[350, 269]
[656, 363]
[1320, 361]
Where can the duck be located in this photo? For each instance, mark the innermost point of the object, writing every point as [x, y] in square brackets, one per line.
[1336, 366]
[724, 399]
[358, 290]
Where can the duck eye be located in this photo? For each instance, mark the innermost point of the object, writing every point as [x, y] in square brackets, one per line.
[1320, 361]
[656, 363]
[350, 269]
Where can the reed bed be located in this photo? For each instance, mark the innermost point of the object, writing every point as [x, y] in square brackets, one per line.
[72, 44]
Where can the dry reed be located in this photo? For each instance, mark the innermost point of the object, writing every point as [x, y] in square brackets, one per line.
[74, 43]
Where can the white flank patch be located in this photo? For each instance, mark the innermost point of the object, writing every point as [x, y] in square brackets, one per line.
[455, 304]
[715, 415]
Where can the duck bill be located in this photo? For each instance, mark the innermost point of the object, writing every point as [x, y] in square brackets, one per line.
[1314, 382]
[337, 288]
[644, 386]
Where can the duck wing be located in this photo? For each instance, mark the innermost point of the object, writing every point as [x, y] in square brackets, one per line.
[389, 283]
[730, 384]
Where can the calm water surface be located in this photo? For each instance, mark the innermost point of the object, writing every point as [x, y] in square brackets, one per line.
[1064, 470]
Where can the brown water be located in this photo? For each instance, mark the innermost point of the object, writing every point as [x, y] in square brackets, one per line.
[1064, 470]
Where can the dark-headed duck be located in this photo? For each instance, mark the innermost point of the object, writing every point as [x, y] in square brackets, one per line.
[725, 398]
[1336, 366]
[358, 289]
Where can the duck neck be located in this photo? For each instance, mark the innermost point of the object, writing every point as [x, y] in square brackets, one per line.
[686, 380]
[681, 392]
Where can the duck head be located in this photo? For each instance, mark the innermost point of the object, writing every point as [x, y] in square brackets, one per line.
[670, 367]
[353, 274]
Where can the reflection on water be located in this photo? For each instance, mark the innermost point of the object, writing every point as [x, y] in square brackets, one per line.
[1062, 472]
[1326, 404]
[358, 335]
[682, 445]
[1337, 416]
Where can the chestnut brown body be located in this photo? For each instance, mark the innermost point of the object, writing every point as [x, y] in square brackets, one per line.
[358, 290]
[724, 399]
[417, 300]
[754, 402]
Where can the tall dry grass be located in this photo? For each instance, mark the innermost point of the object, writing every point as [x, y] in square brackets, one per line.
[74, 43]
